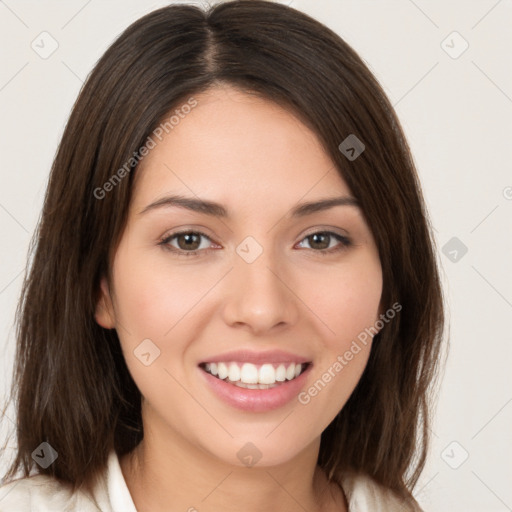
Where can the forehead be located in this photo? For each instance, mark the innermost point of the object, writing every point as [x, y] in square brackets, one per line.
[234, 146]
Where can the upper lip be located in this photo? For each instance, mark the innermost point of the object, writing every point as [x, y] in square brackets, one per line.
[250, 356]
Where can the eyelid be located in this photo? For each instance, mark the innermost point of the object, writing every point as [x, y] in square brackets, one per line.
[165, 241]
[326, 229]
[344, 242]
[343, 239]
[311, 231]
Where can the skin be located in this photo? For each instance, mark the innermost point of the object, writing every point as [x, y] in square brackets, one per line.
[258, 161]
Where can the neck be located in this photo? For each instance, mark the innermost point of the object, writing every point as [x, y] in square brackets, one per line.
[168, 473]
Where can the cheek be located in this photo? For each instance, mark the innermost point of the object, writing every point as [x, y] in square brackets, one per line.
[153, 298]
[150, 301]
[156, 301]
[347, 299]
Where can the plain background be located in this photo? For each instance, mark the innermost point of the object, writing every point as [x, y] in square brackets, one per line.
[457, 115]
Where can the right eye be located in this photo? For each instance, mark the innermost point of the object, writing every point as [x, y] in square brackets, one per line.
[185, 243]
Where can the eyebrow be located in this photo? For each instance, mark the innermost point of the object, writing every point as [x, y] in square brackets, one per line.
[217, 210]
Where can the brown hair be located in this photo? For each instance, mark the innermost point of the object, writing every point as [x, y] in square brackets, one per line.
[71, 384]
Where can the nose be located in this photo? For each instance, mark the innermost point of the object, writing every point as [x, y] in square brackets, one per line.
[260, 296]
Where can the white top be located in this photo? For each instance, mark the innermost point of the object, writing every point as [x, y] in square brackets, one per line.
[41, 493]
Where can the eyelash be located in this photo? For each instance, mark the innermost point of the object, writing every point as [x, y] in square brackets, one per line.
[164, 242]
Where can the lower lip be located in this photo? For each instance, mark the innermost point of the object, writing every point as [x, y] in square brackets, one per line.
[256, 400]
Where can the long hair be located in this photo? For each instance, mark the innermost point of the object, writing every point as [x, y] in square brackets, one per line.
[71, 385]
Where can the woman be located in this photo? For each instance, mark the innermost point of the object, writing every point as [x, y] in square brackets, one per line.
[234, 301]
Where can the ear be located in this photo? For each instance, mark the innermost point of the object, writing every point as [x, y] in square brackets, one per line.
[104, 314]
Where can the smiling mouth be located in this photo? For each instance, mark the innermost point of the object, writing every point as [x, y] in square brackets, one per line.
[252, 376]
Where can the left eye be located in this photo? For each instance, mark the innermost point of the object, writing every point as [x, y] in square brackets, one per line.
[321, 241]
[188, 242]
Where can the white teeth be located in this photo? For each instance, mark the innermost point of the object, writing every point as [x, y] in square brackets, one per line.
[250, 376]
[254, 386]
[267, 374]
[234, 372]
[281, 373]
[290, 372]
[222, 370]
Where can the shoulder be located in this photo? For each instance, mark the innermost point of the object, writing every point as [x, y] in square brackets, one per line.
[37, 492]
[364, 494]
[42, 493]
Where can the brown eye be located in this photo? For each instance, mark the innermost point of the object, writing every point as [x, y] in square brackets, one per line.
[321, 242]
[188, 241]
[185, 243]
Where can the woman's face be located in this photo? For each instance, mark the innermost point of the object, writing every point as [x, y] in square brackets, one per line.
[266, 287]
